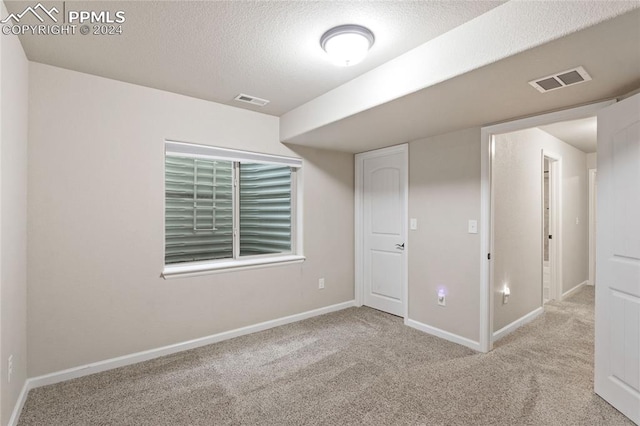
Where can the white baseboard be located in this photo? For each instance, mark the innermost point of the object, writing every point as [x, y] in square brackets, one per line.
[510, 328]
[109, 364]
[443, 334]
[573, 290]
[22, 398]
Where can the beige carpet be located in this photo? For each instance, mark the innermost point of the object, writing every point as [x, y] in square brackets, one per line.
[357, 366]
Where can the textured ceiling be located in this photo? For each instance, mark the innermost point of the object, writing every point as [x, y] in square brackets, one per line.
[609, 51]
[582, 134]
[215, 50]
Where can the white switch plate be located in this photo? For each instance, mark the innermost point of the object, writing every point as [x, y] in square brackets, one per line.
[442, 300]
[473, 226]
[413, 223]
[321, 283]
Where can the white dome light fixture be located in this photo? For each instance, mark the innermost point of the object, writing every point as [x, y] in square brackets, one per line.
[347, 45]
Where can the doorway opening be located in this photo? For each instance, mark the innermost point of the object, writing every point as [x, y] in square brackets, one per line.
[505, 302]
[546, 233]
[551, 236]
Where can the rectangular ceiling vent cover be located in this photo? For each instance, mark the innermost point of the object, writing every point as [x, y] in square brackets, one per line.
[560, 80]
[251, 100]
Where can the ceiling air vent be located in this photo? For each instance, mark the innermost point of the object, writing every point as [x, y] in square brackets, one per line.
[251, 100]
[560, 80]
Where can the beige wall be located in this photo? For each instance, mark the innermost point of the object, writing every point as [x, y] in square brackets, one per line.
[96, 211]
[518, 220]
[592, 160]
[13, 219]
[444, 193]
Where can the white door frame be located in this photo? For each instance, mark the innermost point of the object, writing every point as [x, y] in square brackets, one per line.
[555, 223]
[359, 222]
[592, 226]
[486, 230]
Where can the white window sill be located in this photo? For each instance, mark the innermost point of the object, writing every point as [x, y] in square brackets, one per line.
[192, 270]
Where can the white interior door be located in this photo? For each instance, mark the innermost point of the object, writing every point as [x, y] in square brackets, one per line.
[384, 208]
[617, 341]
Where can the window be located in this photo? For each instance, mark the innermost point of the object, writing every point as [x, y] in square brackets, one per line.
[228, 209]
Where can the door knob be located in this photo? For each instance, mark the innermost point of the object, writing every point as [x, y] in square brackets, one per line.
[400, 246]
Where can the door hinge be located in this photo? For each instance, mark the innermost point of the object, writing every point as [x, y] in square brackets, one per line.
[550, 237]
[488, 256]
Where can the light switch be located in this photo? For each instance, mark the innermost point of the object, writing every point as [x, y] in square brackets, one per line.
[413, 223]
[473, 226]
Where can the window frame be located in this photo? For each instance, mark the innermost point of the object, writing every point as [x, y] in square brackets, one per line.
[237, 262]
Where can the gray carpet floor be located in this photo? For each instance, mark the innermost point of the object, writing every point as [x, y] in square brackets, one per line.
[357, 366]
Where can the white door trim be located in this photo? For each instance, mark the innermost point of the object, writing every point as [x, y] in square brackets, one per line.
[359, 222]
[486, 233]
[555, 219]
[592, 226]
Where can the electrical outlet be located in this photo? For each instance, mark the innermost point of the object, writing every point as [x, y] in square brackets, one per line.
[10, 368]
[321, 283]
[442, 298]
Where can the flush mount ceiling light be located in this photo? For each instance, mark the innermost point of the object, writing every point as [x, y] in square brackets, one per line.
[347, 45]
